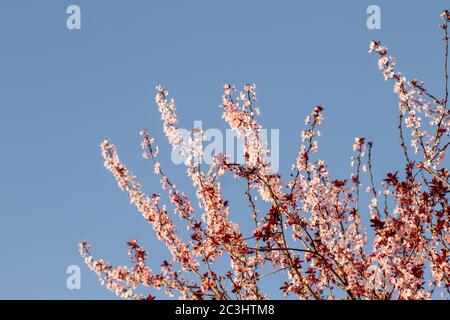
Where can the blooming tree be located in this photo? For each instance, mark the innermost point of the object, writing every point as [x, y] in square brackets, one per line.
[312, 231]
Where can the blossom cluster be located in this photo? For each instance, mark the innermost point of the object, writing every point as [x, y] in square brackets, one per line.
[312, 228]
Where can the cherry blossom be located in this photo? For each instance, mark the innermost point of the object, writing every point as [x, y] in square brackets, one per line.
[328, 240]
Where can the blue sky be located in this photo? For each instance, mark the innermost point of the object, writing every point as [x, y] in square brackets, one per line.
[64, 91]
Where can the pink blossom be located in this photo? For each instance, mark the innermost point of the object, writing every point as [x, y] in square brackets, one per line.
[313, 227]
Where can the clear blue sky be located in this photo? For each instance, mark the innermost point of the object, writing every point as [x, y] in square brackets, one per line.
[62, 92]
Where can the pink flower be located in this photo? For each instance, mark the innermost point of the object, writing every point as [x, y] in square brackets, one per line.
[312, 228]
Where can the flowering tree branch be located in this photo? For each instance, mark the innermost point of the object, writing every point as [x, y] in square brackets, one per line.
[315, 229]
